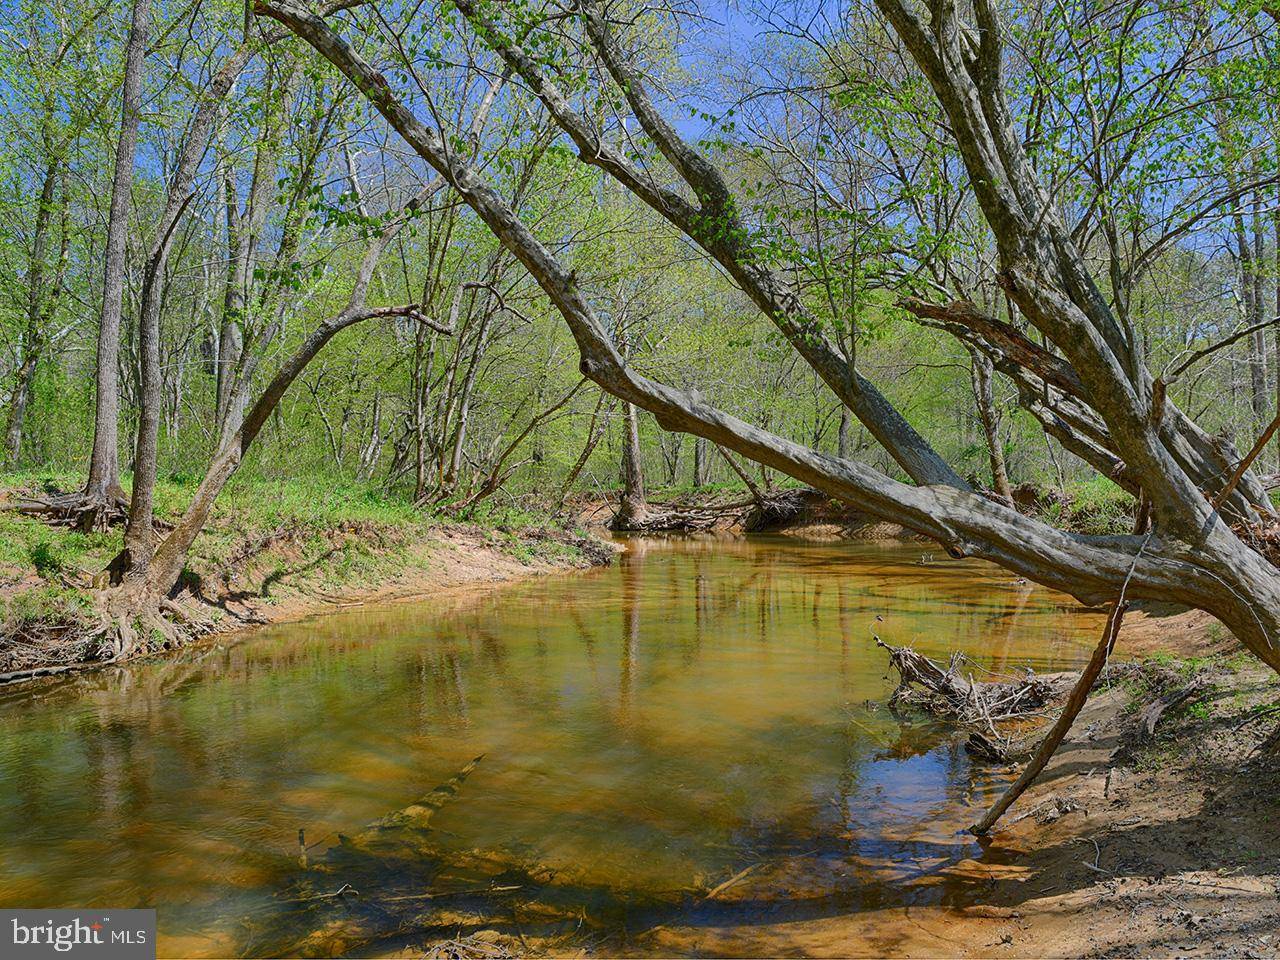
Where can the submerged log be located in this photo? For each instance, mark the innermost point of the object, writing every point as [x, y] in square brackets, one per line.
[418, 814]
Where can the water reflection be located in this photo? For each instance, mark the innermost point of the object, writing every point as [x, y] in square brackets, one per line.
[647, 730]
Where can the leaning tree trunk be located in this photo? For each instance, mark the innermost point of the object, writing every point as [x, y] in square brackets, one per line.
[1197, 559]
[595, 432]
[103, 487]
[165, 566]
[140, 534]
[147, 586]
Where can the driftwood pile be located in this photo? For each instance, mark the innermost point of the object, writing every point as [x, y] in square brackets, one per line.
[75, 509]
[784, 508]
[681, 518]
[952, 694]
[762, 512]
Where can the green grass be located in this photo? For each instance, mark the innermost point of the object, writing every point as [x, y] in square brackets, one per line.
[1096, 505]
[46, 604]
[326, 532]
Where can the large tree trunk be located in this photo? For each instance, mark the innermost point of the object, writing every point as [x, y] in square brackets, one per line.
[24, 378]
[699, 463]
[104, 464]
[632, 506]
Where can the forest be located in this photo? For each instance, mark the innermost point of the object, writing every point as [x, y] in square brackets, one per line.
[781, 215]
[1005, 277]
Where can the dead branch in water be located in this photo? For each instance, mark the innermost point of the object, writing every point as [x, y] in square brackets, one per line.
[945, 693]
[1071, 710]
[485, 945]
[1049, 745]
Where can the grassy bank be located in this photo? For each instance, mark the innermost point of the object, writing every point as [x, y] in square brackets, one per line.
[272, 550]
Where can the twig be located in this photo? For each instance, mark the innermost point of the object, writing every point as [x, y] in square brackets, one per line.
[730, 882]
[1214, 348]
[1255, 716]
[450, 893]
[1075, 703]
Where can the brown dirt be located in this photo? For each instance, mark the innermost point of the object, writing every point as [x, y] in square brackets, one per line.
[1183, 633]
[456, 559]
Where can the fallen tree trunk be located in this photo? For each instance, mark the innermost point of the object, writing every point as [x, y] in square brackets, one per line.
[1197, 561]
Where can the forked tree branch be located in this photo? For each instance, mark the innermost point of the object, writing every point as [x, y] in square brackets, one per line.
[1088, 567]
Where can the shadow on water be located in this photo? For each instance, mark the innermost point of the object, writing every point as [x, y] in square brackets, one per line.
[704, 711]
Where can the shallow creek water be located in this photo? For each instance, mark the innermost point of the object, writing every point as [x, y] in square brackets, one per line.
[701, 708]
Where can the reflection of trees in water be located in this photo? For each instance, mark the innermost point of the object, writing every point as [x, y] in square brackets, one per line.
[412, 889]
[443, 697]
[631, 586]
[688, 749]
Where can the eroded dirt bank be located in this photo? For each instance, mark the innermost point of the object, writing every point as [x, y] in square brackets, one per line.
[259, 564]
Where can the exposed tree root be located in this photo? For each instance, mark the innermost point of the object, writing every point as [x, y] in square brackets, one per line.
[127, 622]
[783, 509]
[86, 511]
[678, 519]
[134, 622]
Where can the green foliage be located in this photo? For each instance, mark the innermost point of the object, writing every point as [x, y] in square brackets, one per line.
[44, 605]
[842, 175]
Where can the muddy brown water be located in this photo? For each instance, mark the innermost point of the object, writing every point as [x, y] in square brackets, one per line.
[702, 710]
